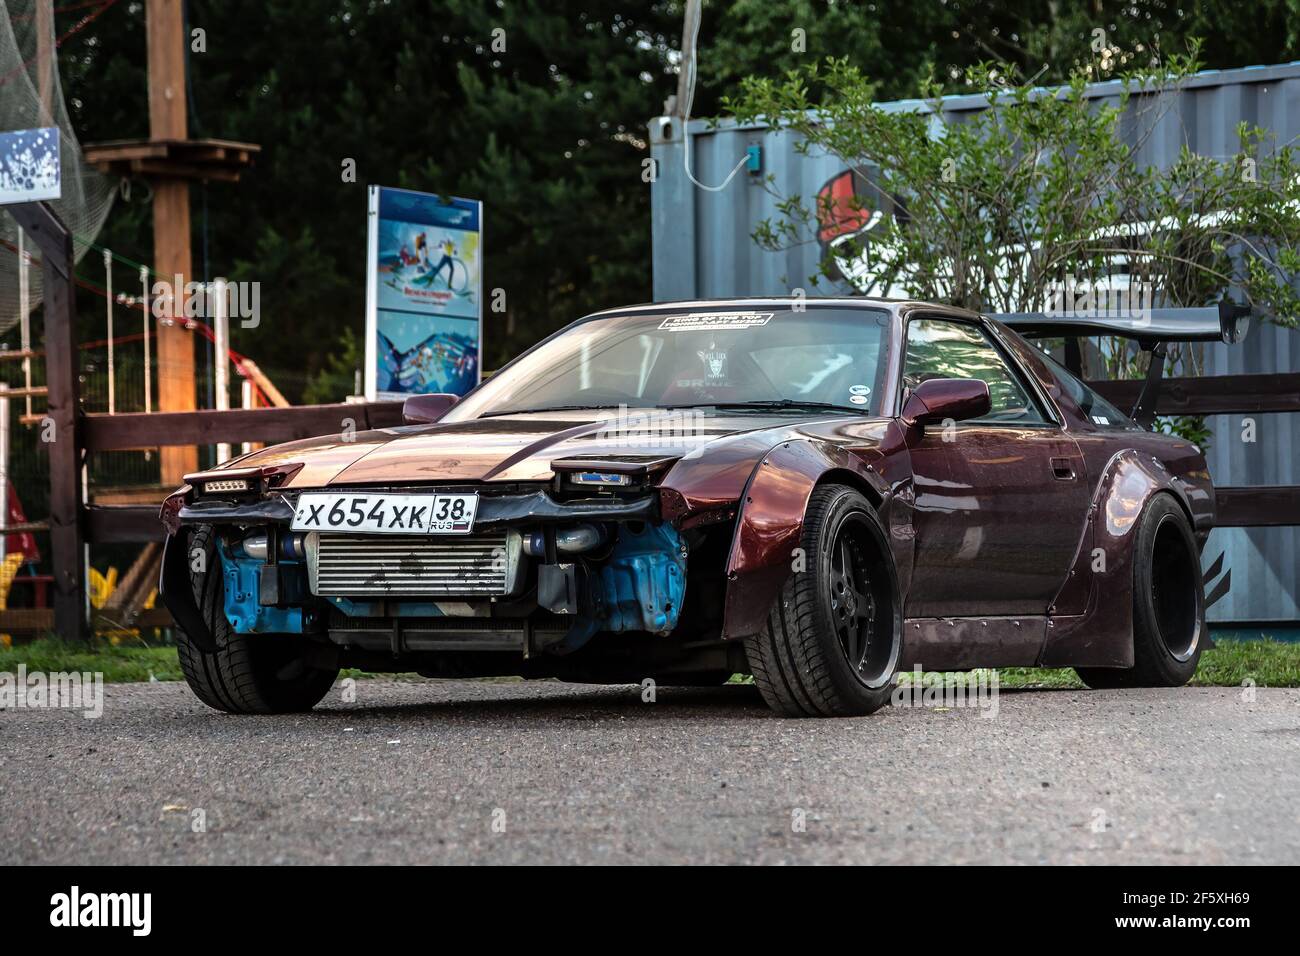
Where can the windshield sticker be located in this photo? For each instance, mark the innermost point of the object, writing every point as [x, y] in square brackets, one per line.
[715, 363]
[859, 399]
[1101, 419]
[715, 321]
[859, 389]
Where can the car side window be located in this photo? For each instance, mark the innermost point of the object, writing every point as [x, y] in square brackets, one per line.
[1099, 411]
[939, 348]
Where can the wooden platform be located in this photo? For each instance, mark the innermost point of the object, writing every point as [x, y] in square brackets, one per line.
[131, 495]
[197, 159]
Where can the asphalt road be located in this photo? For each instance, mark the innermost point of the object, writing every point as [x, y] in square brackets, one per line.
[451, 772]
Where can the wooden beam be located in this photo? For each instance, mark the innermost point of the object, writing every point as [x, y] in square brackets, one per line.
[134, 430]
[1213, 395]
[131, 495]
[1263, 506]
[36, 391]
[40, 222]
[98, 154]
[39, 619]
[123, 524]
[27, 619]
[45, 63]
[159, 170]
[25, 527]
[265, 384]
[165, 40]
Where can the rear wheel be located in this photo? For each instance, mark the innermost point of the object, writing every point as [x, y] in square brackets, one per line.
[248, 673]
[1168, 603]
[831, 644]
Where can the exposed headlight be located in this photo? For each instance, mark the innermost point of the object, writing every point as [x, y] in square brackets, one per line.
[225, 486]
[600, 478]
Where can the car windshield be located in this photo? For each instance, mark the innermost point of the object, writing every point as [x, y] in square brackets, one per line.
[773, 359]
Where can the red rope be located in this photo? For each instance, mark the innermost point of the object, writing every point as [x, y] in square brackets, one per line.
[68, 9]
[80, 25]
[236, 358]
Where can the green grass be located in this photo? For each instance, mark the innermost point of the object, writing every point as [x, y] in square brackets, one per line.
[120, 663]
[1268, 663]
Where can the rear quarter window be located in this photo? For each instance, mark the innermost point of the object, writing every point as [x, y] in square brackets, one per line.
[1097, 410]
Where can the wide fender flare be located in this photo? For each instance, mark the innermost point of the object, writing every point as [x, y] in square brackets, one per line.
[1091, 618]
[177, 592]
[769, 523]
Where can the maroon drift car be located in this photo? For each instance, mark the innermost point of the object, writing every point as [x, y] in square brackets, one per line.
[817, 492]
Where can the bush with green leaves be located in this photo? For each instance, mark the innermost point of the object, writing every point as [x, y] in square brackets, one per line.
[996, 209]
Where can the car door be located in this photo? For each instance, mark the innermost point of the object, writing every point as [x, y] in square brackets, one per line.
[999, 502]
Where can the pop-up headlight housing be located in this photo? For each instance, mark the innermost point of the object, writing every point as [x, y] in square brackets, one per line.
[241, 482]
[609, 473]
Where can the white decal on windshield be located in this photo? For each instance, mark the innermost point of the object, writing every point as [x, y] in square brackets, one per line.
[715, 363]
[715, 321]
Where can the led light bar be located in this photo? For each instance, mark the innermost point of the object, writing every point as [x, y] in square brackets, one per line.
[602, 478]
[228, 484]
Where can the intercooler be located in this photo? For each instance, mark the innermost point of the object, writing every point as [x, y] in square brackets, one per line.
[472, 565]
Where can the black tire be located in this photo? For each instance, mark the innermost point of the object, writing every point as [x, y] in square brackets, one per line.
[801, 658]
[1168, 603]
[248, 673]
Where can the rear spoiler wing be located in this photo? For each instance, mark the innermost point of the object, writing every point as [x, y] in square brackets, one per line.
[1226, 322]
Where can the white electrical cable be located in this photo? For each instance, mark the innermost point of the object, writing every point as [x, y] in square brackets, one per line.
[108, 309]
[24, 317]
[148, 373]
[686, 114]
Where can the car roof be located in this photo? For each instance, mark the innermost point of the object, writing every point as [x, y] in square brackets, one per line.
[857, 301]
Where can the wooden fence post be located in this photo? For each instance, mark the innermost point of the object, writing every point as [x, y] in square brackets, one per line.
[61, 429]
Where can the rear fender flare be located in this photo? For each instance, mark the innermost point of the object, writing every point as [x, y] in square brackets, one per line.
[769, 524]
[1092, 615]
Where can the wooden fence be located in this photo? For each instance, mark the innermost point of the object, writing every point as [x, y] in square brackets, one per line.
[73, 524]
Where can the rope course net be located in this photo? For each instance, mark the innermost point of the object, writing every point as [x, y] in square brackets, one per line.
[31, 96]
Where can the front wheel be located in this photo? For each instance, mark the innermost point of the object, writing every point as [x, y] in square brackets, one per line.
[832, 641]
[248, 673]
[1168, 603]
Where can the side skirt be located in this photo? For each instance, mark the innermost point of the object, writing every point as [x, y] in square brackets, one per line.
[962, 643]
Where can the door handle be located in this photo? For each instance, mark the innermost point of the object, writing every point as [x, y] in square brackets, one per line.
[1062, 469]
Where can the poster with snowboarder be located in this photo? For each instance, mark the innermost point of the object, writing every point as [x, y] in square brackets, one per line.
[424, 294]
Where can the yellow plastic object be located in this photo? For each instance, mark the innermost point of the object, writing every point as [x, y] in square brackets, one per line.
[8, 571]
[101, 587]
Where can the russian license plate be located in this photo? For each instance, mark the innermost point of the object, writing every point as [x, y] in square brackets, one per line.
[353, 513]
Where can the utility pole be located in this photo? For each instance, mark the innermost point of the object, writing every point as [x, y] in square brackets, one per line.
[45, 60]
[170, 160]
[168, 120]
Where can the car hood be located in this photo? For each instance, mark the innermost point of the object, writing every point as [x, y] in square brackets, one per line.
[521, 447]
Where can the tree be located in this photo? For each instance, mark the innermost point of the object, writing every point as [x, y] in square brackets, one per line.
[1002, 209]
[543, 120]
[549, 131]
